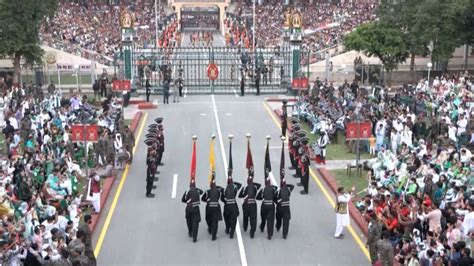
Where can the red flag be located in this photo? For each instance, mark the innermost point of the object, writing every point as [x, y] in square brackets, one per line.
[249, 163]
[193, 163]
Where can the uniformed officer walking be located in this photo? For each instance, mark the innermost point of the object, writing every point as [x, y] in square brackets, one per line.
[267, 209]
[249, 193]
[283, 213]
[192, 212]
[374, 235]
[150, 174]
[231, 209]
[213, 208]
[284, 118]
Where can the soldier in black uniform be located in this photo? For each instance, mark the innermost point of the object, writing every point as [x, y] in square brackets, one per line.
[267, 210]
[213, 208]
[257, 82]
[147, 89]
[283, 213]
[150, 173]
[192, 212]
[231, 209]
[249, 207]
[304, 166]
[284, 118]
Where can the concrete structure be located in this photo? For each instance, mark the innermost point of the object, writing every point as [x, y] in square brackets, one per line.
[221, 4]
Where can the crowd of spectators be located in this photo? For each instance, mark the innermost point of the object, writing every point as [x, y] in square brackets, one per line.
[324, 23]
[421, 181]
[92, 30]
[47, 195]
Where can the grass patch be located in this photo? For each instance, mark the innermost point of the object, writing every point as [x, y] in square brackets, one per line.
[335, 151]
[343, 179]
[3, 144]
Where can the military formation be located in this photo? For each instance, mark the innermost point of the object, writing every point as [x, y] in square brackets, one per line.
[298, 149]
[275, 202]
[155, 141]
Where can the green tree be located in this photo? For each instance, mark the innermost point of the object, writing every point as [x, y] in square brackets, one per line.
[20, 22]
[402, 14]
[379, 40]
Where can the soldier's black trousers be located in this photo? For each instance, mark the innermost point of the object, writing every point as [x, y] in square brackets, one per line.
[282, 218]
[305, 180]
[212, 221]
[230, 219]
[298, 172]
[267, 213]
[283, 128]
[149, 186]
[292, 160]
[250, 214]
[192, 222]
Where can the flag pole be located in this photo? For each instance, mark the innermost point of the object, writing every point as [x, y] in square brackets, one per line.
[230, 166]
[193, 160]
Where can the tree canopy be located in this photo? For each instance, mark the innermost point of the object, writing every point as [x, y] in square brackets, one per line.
[380, 40]
[428, 27]
[20, 21]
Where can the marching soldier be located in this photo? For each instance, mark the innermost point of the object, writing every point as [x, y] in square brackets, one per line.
[192, 212]
[231, 209]
[267, 210]
[322, 143]
[110, 150]
[283, 214]
[249, 207]
[213, 208]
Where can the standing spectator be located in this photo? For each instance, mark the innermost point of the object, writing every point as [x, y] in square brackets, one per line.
[147, 89]
[96, 89]
[385, 250]
[175, 91]
[166, 92]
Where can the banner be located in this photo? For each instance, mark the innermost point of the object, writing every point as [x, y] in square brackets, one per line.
[121, 85]
[358, 130]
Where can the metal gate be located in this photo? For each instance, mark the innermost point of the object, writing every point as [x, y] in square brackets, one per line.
[272, 64]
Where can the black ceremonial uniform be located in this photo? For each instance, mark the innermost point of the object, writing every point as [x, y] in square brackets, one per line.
[267, 210]
[213, 210]
[249, 207]
[304, 166]
[283, 213]
[192, 212]
[150, 175]
[284, 118]
[231, 209]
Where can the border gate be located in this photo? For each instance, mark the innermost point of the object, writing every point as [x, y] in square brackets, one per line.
[191, 63]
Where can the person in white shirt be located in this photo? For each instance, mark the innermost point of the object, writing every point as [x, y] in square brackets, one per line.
[462, 124]
[452, 132]
[342, 210]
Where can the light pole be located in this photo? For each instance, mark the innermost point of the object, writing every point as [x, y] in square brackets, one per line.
[429, 65]
[76, 68]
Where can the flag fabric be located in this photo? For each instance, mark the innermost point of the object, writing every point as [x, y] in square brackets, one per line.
[230, 166]
[267, 166]
[212, 161]
[282, 162]
[249, 163]
[193, 163]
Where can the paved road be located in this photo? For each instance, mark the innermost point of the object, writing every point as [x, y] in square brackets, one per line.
[153, 231]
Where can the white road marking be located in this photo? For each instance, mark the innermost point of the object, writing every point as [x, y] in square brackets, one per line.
[203, 114]
[243, 257]
[175, 184]
[235, 92]
[228, 114]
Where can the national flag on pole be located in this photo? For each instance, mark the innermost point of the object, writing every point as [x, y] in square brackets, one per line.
[267, 166]
[212, 161]
[193, 163]
[282, 162]
[249, 163]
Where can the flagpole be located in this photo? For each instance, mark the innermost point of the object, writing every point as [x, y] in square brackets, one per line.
[156, 24]
[267, 156]
[193, 160]
[212, 163]
[230, 166]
